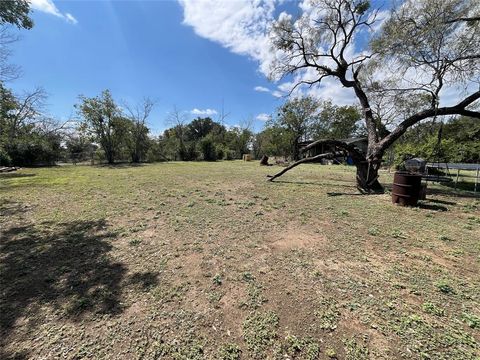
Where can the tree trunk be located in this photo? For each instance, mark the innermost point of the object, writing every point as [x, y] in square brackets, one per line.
[367, 176]
[296, 149]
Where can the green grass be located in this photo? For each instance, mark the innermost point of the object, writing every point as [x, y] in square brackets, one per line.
[211, 261]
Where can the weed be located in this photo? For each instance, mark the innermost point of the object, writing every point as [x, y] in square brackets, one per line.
[444, 287]
[260, 331]
[230, 352]
[472, 320]
[433, 309]
[355, 351]
[135, 242]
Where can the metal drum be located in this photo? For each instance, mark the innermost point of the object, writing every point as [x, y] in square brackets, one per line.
[406, 188]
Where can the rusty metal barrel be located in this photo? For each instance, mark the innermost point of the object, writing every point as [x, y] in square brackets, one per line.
[406, 188]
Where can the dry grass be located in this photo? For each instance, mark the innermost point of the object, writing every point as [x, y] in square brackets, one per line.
[208, 260]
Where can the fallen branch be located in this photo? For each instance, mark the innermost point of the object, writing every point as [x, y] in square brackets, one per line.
[305, 160]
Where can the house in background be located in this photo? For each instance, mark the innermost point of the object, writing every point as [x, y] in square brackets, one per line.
[360, 143]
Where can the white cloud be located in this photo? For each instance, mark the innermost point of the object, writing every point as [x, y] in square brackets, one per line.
[240, 26]
[261, 89]
[263, 117]
[204, 112]
[47, 6]
[278, 94]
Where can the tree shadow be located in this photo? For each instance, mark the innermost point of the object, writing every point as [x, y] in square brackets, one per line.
[9, 208]
[120, 165]
[64, 266]
[350, 194]
[12, 175]
[434, 207]
[444, 202]
[321, 184]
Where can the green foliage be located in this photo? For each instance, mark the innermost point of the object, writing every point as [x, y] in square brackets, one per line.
[208, 148]
[230, 352]
[305, 119]
[260, 331]
[16, 12]
[460, 142]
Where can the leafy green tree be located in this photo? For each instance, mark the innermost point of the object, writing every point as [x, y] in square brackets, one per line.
[103, 118]
[297, 116]
[336, 122]
[208, 148]
[137, 140]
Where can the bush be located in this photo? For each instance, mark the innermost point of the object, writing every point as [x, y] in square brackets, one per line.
[208, 149]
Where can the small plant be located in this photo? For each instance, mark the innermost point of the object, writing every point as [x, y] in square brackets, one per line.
[444, 287]
[259, 332]
[373, 231]
[433, 309]
[304, 348]
[444, 238]
[472, 320]
[398, 234]
[230, 352]
[135, 242]
[331, 353]
[217, 279]
[248, 277]
[355, 351]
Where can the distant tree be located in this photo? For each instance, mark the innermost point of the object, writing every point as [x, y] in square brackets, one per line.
[208, 148]
[274, 140]
[297, 116]
[137, 140]
[336, 122]
[103, 118]
[425, 46]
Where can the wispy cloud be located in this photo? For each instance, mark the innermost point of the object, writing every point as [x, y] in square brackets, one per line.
[261, 89]
[263, 117]
[204, 112]
[47, 6]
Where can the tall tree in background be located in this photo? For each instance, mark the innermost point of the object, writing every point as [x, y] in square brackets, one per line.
[336, 122]
[102, 116]
[138, 141]
[425, 46]
[297, 116]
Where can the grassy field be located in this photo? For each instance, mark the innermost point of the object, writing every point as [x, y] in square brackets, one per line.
[210, 261]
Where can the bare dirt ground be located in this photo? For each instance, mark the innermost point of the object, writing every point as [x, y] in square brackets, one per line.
[210, 261]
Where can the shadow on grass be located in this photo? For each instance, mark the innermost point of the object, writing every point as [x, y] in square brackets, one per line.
[63, 266]
[120, 165]
[434, 207]
[321, 184]
[351, 194]
[9, 208]
[13, 175]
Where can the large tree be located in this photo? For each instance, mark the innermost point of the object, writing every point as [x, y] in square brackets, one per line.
[297, 116]
[104, 119]
[138, 140]
[423, 47]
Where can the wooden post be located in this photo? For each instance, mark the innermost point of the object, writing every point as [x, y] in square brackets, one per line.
[456, 180]
[476, 180]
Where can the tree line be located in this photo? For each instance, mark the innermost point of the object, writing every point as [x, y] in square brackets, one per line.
[389, 110]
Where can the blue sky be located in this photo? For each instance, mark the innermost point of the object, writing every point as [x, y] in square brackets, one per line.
[137, 49]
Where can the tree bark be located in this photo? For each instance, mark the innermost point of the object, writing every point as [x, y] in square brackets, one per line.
[367, 177]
